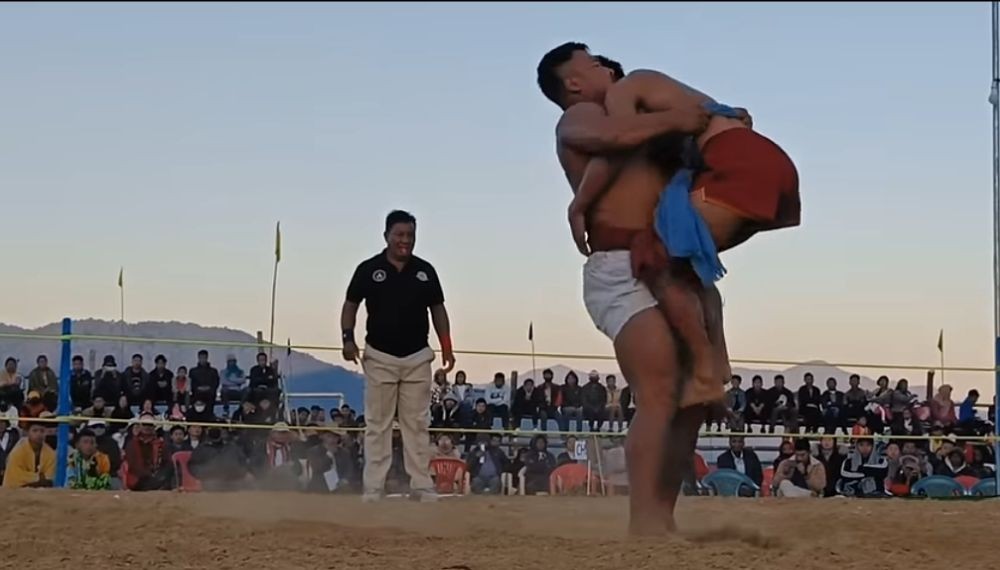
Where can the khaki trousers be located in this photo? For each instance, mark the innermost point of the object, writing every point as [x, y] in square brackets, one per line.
[397, 387]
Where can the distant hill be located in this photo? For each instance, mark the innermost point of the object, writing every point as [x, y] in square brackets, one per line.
[304, 372]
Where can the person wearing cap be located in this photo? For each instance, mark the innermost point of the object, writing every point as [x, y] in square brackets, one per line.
[32, 408]
[447, 417]
[273, 464]
[44, 381]
[595, 400]
[108, 384]
[31, 463]
[89, 469]
[148, 469]
[161, 382]
[233, 383]
[398, 289]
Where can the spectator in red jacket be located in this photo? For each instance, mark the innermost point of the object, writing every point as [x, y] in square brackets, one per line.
[148, 469]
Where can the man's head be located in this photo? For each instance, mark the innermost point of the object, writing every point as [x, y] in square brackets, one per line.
[182, 371]
[481, 406]
[137, 361]
[735, 381]
[450, 401]
[529, 385]
[974, 396]
[86, 443]
[202, 356]
[264, 404]
[280, 433]
[177, 435]
[10, 365]
[594, 376]
[547, 375]
[77, 363]
[262, 358]
[808, 379]
[498, 379]
[568, 74]
[909, 448]
[736, 444]
[195, 432]
[160, 361]
[445, 443]
[400, 234]
[831, 383]
[779, 381]
[865, 447]
[460, 377]
[854, 381]
[200, 405]
[803, 451]
[757, 382]
[36, 434]
[147, 425]
[883, 382]
[42, 362]
[892, 451]
[494, 440]
[611, 381]
[99, 402]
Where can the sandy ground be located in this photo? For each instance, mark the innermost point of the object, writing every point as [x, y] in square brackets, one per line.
[48, 529]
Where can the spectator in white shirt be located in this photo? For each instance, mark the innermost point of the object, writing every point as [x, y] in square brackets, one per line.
[498, 399]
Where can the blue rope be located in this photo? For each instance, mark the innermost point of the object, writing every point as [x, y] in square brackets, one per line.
[679, 226]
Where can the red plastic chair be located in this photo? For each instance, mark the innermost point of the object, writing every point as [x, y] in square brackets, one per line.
[185, 480]
[765, 485]
[967, 481]
[572, 477]
[450, 475]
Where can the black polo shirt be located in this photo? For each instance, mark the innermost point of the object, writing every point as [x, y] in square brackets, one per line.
[397, 302]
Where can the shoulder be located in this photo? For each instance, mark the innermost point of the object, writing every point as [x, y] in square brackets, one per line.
[578, 112]
[373, 261]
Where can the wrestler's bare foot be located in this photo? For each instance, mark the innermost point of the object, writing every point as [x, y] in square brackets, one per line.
[651, 525]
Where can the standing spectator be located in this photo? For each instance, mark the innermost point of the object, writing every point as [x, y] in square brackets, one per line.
[182, 388]
[758, 402]
[136, 381]
[108, 384]
[736, 404]
[161, 382]
[902, 398]
[89, 469]
[481, 420]
[204, 380]
[855, 400]
[463, 392]
[11, 383]
[485, 465]
[809, 404]
[595, 398]
[572, 402]
[446, 417]
[834, 407]
[31, 463]
[9, 437]
[263, 379]
[274, 465]
[864, 472]
[742, 459]
[44, 381]
[398, 289]
[528, 404]
[498, 399]
[233, 383]
[439, 388]
[551, 396]
[147, 468]
[614, 411]
[538, 464]
[781, 403]
[445, 448]
[801, 475]
[832, 460]
[943, 408]
[81, 385]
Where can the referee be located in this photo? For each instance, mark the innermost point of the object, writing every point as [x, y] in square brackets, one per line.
[398, 288]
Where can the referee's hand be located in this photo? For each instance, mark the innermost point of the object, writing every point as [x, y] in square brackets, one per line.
[351, 352]
[448, 360]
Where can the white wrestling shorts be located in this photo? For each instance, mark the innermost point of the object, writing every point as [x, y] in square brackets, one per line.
[610, 292]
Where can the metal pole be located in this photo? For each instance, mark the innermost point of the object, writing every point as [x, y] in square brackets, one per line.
[62, 442]
[995, 101]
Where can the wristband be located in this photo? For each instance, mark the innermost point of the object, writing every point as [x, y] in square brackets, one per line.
[446, 344]
[348, 335]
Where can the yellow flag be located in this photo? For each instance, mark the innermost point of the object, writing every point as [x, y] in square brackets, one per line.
[941, 341]
[121, 277]
[277, 243]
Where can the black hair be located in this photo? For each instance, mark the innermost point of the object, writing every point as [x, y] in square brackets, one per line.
[259, 354]
[853, 376]
[40, 357]
[616, 68]
[77, 358]
[526, 380]
[302, 409]
[973, 393]
[184, 368]
[315, 408]
[85, 432]
[808, 375]
[480, 401]
[9, 360]
[398, 217]
[548, 371]
[160, 358]
[548, 77]
[738, 377]
[498, 376]
[802, 444]
[203, 352]
[175, 428]
[779, 377]
[136, 355]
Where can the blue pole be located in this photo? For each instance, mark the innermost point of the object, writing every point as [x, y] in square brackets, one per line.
[65, 371]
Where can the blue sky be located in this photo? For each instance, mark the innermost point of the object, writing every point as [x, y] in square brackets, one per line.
[170, 138]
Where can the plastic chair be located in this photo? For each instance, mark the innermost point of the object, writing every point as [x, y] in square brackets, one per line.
[728, 482]
[766, 482]
[937, 487]
[184, 479]
[450, 476]
[985, 488]
[967, 481]
[571, 477]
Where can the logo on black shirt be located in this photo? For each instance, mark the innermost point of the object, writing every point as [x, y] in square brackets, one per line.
[421, 276]
[378, 276]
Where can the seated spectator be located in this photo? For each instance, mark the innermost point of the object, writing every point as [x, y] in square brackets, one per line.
[969, 422]
[9, 437]
[595, 398]
[810, 402]
[539, 464]
[107, 445]
[200, 412]
[982, 463]
[831, 458]
[855, 400]
[11, 384]
[480, 420]
[901, 398]
[182, 388]
[485, 465]
[219, 464]
[263, 380]
[446, 416]
[44, 381]
[161, 383]
[332, 466]
[571, 403]
[445, 448]
[31, 463]
[148, 469]
[834, 407]
[736, 405]
[519, 463]
[122, 413]
[108, 381]
[860, 427]
[785, 451]
[32, 408]
[317, 416]
[196, 435]
[740, 458]
[301, 416]
[905, 424]
[498, 399]
[463, 391]
[97, 409]
[529, 403]
[89, 469]
[178, 442]
[243, 414]
[615, 414]
[233, 383]
[569, 454]
[265, 415]
[864, 472]
[439, 389]
[801, 475]
[954, 465]
[781, 406]
[136, 381]
[204, 380]
[9, 412]
[880, 405]
[757, 401]
[349, 415]
[81, 384]
[910, 449]
[273, 464]
[148, 407]
[937, 458]
[943, 408]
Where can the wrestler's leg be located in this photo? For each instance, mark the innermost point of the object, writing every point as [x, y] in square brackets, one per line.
[646, 352]
[712, 301]
[679, 460]
[680, 297]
